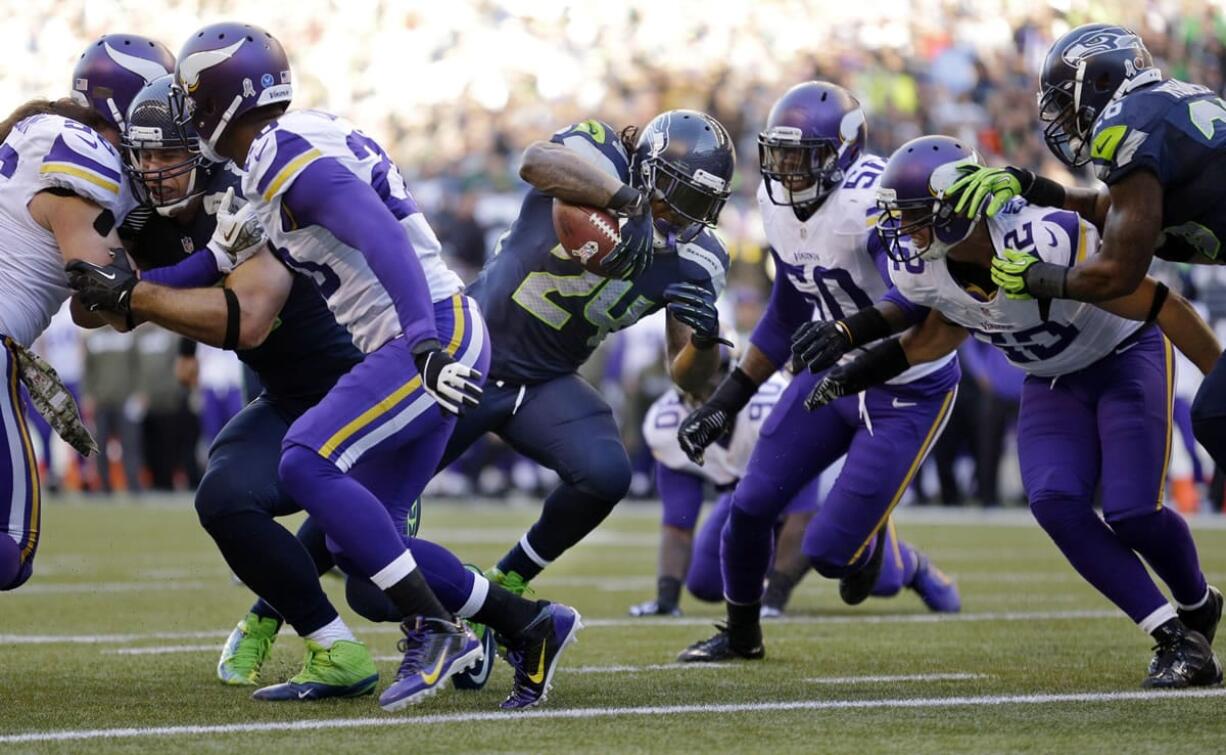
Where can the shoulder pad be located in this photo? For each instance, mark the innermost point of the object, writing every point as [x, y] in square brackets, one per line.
[72, 156]
[705, 259]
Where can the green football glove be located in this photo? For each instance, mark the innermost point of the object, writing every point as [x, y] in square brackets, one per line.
[1009, 273]
[978, 183]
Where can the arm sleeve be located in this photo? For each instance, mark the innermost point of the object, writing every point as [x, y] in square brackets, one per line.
[198, 270]
[786, 311]
[363, 222]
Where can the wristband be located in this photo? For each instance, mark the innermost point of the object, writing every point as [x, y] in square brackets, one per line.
[1160, 294]
[1046, 281]
[626, 200]
[865, 326]
[875, 366]
[734, 392]
[1045, 193]
[234, 318]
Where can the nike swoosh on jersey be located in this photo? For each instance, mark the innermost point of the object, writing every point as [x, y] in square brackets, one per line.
[902, 404]
[1122, 349]
[539, 676]
[432, 677]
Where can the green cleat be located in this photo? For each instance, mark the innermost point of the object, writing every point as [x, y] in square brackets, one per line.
[246, 649]
[344, 670]
[511, 581]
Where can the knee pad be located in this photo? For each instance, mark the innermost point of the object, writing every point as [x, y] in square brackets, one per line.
[606, 474]
[705, 585]
[11, 567]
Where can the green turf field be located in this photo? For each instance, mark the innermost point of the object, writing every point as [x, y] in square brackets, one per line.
[119, 630]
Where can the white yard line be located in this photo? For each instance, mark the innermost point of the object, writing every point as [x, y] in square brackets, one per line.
[688, 621]
[587, 713]
[164, 650]
[948, 677]
[72, 588]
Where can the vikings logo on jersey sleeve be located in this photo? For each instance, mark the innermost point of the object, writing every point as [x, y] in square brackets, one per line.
[68, 155]
[43, 152]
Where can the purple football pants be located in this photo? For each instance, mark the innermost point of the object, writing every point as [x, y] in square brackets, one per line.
[885, 442]
[359, 458]
[1109, 426]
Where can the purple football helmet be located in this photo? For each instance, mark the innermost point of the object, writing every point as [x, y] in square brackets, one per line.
[1085, 71]
[814, 133]
[911, 197]
[112, 70]
[226, 70]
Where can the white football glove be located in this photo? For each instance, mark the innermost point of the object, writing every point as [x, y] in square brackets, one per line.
[452, 384]
[238, 235]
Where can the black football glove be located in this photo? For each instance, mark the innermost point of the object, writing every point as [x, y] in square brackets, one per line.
[694, 305]
[833, 386]
[711, 421]
[818, 344]
[106, 287]
[632, 255]
[452, 384]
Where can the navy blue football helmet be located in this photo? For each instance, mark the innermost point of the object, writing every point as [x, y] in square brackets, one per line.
[151, 128]
[685, 159]
[1085, 70]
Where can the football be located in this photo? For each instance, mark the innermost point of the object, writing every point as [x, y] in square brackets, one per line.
[586, 233]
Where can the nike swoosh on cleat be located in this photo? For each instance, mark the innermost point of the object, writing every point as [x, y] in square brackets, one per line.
[432, 677]
[539, 676]
[304, 694]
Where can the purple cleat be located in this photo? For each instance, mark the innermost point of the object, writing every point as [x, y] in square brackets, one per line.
[939, 592]
[434, 651]
[535, 653]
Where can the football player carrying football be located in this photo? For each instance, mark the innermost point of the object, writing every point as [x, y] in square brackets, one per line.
[547, 313]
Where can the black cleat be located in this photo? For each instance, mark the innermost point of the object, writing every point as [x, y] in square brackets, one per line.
[855, 588]
[722, 647]
[1182, 658]
[1204, 619]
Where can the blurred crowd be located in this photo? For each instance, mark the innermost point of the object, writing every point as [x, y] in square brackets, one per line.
[455, 91]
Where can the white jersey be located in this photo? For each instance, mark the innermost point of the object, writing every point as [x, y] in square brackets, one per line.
[43, 152]
[827, 257]
[1074, 335]
[353, 292]
[723, 464]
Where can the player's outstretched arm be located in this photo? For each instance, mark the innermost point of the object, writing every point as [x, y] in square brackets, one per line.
[560, 172]
[692, 335]
[931, 339]
[239, 319]
[985, 191]
[1131, 231]
[1175, 315]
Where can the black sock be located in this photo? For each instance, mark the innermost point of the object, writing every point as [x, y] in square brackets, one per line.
[505, 612]
[273, 565]
[568, 515]
[668, 592]
[413, 597]
[747, 615]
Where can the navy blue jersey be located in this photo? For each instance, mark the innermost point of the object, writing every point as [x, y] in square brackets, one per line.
[545, 313]
[306, 352]
[1177, 131]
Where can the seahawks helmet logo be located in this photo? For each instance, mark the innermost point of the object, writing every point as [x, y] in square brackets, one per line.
[1098, 41]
